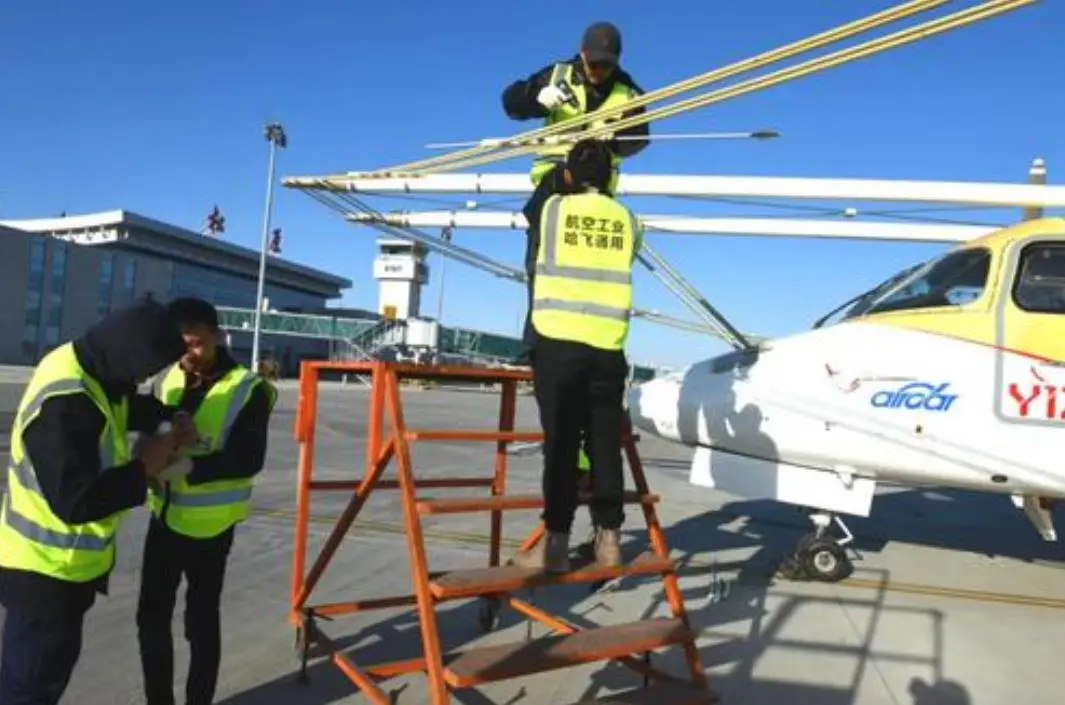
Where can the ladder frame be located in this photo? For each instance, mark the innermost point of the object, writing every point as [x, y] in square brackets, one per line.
[382, 447]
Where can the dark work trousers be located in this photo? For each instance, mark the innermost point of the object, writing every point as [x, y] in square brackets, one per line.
[167, 556]
[40, 652]
[528, 334]
[577, 388]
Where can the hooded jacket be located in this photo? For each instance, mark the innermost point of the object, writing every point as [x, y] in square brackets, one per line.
[121, 351]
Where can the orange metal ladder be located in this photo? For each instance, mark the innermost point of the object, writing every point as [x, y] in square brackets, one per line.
[569, 645]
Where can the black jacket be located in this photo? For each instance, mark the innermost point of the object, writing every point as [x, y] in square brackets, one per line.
[551, 184]
[519, 102]
[123, 349]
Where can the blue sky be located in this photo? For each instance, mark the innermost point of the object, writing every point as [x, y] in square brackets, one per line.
[158, 108]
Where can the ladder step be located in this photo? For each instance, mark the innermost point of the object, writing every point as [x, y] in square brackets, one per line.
[495, 663]
[495, 435]
[486, 581]
[458, 505]
[661, 693]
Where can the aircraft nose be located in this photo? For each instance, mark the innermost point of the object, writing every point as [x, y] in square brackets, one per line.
[653, 407]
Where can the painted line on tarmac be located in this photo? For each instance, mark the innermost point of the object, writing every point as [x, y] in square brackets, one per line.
[469, 538]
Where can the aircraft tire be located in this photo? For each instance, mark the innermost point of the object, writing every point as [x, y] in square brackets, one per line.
[825, 560]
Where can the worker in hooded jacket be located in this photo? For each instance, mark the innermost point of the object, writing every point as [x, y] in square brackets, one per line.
[70, 481]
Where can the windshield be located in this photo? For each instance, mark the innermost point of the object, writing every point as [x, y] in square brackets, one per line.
[854, 306]
[954, 279]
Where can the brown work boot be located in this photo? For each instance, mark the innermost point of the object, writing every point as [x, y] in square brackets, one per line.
[551, 554]
[608, 548]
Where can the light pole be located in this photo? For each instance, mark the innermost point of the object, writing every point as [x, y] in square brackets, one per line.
[275, 135]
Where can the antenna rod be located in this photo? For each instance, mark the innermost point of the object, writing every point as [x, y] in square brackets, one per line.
[493, 142]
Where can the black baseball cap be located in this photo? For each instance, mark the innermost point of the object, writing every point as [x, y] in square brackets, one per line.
[602, 42]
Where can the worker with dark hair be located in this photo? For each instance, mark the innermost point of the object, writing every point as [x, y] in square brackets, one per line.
[582, 299]
[590, 81]
[192, 520]
[71, 479]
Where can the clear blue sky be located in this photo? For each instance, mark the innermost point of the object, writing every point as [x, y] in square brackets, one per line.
[158, 108]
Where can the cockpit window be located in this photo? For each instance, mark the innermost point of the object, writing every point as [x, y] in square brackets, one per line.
[1040, 283]
[857, 305]
[955, 279]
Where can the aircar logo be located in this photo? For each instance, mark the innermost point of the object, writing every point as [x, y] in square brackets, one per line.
[915, 395]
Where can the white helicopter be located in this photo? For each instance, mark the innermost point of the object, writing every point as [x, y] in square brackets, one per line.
[947, 374]
[950, 373]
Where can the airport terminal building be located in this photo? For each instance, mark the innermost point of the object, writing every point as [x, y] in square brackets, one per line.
[60, 275]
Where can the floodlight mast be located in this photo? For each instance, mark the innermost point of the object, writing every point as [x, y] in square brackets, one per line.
[275, 135]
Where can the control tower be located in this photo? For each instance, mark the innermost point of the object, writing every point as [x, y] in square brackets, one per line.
[400, 270]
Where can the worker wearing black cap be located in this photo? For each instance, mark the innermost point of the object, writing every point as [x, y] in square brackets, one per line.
[592, 80]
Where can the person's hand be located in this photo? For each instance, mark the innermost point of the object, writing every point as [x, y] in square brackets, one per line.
[185, 433]
[179, 467]
[551, 96]
[155, 453]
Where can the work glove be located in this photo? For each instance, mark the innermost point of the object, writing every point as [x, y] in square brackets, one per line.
[178, 468]
[551, 96]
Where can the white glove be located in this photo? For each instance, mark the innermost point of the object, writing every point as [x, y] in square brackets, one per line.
[164, 427]
[175, 470]
[550, 96]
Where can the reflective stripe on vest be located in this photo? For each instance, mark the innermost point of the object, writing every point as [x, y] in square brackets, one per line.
[585, 296]
[605, 232]
[550, 155]
[31, 537]
[210, 508]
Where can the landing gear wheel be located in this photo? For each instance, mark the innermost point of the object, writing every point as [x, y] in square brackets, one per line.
[488, 615]
[825, 560]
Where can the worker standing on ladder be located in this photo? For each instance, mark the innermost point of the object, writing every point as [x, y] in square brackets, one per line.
[71, 478]
[191, 529]
[581, 310]
[592, 80]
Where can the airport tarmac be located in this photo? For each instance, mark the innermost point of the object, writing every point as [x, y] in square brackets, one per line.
[955, 600]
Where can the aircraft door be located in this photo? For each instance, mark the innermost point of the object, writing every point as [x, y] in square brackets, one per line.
[1030, 333]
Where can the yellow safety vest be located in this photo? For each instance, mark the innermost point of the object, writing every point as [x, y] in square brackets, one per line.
[583, 286]
[32, 538]
[206, 510]
[551, 155]
[583, 463]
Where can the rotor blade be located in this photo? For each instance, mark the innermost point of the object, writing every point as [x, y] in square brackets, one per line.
[816, 41]
[980, 12]
[955, 192]
[499, 269]
[776, 227]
